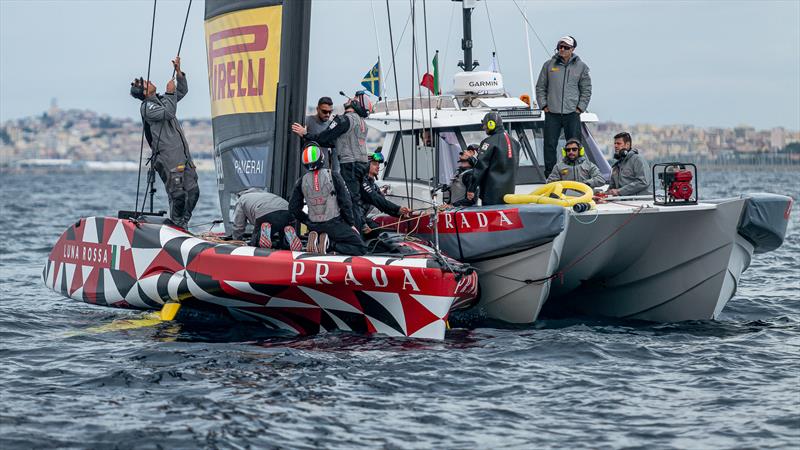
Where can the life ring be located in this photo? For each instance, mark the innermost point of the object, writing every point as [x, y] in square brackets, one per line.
[553, 194]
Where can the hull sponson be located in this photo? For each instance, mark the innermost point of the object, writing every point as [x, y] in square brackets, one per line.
[667, 266]
[118, 263]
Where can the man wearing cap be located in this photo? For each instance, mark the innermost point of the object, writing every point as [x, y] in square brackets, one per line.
[495, 174]
[462, 179]
[563, 92]
[371, 195]
[575, 166]
[348, 133]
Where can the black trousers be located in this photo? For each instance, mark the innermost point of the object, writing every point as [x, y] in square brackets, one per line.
[553, 124]
[277, 220]
[182, 191]
[342, 237]
[354, 174]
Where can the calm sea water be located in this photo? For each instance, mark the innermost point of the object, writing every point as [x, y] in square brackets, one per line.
[731, 383]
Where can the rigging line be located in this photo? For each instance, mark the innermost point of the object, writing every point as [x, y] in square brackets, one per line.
[399, 121]
[180, 44]
[154, 153]
[449, 33]
[428, 70]
[141, 145]
[395, 49]
[491, 31]
[414, 149]
[524, 16]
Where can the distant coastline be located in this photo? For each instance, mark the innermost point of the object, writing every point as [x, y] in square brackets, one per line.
[85, 140]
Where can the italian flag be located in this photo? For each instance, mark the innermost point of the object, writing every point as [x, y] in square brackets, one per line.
[432, 81]
[116, 256]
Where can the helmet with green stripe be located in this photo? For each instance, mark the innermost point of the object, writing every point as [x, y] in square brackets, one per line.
[313, 157]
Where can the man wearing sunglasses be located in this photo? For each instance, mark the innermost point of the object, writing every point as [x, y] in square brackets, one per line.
[575, 166]
[317, 123]
[563, 92]
[371, 195]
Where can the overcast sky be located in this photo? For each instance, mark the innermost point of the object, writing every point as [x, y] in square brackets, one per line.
[715, 63]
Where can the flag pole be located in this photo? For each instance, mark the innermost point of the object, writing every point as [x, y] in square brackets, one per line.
[533, 104]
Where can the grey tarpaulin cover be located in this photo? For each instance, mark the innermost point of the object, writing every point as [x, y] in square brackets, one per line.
[764, 220]
[477, 233]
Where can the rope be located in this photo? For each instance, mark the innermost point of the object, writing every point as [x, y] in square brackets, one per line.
[449, 33]
[531, 27]
[491, 31]
[397, 91]
[141, 144]
[154, 153]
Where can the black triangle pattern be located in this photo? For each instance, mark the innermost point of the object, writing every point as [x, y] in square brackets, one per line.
[123, 281]
[173, 248]
[372, 308]
[146, 236]
[356, 321]
[99, 223]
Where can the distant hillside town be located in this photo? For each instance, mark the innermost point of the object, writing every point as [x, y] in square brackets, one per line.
[59, 137]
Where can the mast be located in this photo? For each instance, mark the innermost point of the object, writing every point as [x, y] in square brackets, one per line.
[291, 99]
[468, 64]
[257, 75]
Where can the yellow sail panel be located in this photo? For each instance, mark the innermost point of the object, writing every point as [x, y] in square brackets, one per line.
[244, 60]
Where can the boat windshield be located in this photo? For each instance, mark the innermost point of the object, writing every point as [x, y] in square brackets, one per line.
[434, 159]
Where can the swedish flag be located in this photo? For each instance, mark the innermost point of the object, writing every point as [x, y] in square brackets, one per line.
[372, 79]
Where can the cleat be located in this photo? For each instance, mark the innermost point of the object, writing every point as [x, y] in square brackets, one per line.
[265, 240]
[292, 240]
[322, 243]
[311, 245]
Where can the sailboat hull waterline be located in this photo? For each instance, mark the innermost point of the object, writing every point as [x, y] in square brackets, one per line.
[128, 264]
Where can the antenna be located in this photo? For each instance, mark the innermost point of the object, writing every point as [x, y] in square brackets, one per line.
[468, 64]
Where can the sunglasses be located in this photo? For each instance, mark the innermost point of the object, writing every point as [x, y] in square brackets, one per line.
[572, 149]
[564, 47]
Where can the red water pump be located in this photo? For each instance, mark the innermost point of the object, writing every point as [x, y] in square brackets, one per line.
[675, 184]
[681, 186]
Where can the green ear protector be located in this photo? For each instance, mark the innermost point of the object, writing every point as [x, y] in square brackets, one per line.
[581, 152]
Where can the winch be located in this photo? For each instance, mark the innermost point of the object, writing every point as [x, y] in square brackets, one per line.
[677, 184]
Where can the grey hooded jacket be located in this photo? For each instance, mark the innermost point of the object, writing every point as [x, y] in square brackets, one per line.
[166, 134]
[631, 174]
[252, 204]
[581, 170]
[564, 87]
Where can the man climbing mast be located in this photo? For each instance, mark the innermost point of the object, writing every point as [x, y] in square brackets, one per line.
[170, 157]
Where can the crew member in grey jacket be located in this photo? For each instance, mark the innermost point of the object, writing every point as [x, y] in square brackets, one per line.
[348, 133]
[630, 174]
[575, 166]
[259, 207]
[170, 157]
[563, 91]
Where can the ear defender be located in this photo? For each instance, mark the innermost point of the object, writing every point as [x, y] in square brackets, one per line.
[581, 152]
[491, 125]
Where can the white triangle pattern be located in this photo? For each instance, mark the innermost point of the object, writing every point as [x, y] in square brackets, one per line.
[111, 293]
[436, 304]
[70, 268]
[90, 230]
[119, 236]
[186, 247]
[142, 258]
[167, 234]
[434, 330]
